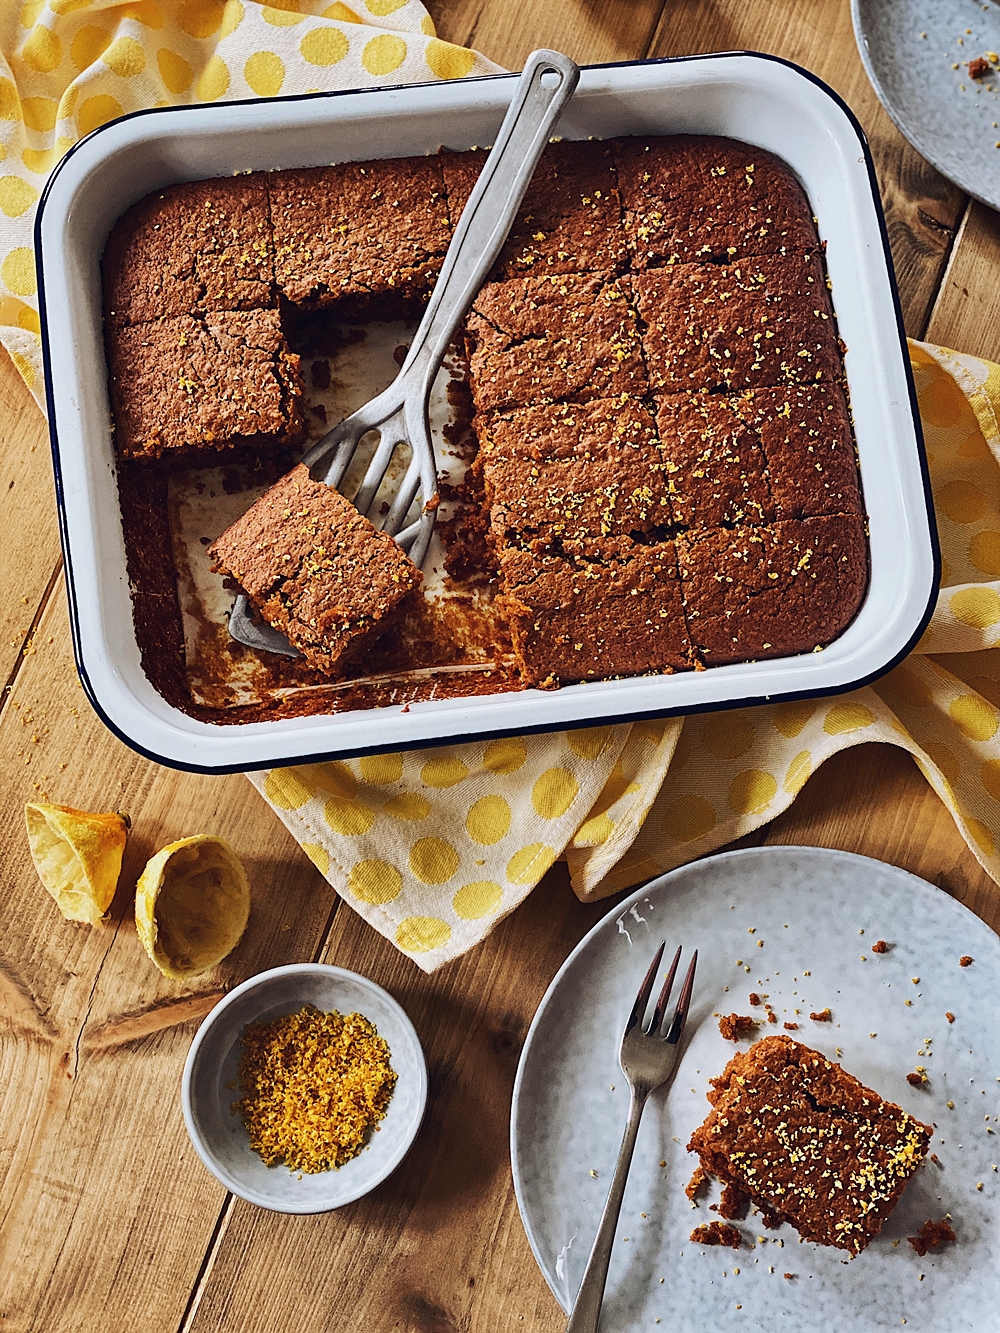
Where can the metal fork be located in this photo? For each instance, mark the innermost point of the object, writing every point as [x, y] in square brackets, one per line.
[648, 1059]
[399, 413]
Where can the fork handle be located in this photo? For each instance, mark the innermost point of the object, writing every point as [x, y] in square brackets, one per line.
[489, 214]
[587, 1310]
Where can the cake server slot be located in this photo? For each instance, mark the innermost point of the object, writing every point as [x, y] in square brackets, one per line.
[399, 413]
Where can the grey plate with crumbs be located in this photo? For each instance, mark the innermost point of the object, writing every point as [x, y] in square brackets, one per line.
[783, 912]
[908, 48]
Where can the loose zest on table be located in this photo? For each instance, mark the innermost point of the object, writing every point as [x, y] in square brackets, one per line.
[314, 1086]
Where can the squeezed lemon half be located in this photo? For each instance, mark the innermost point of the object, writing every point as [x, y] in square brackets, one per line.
[191, 905]
[78, 856]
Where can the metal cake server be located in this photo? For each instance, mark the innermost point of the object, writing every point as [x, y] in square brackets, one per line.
[399, 414]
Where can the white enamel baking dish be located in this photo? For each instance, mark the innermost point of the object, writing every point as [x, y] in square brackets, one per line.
[756, 98]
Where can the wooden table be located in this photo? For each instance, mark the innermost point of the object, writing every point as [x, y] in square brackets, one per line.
[109, 1221]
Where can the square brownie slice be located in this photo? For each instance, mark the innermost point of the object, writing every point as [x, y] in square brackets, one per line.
[196, 247]
[572, 470]
[360, 232]
[762, 322]
[716, 468]
[809, 1143]
[559, 432]
[550, 338]
[692, 198]
[317, 570]
[805, 435]
[186, 385]
[752, 593]
[570, 218]
[765, 454]
[617, 494]
[613, 609]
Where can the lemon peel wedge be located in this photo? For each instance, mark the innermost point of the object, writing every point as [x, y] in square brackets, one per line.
[192, 903]
[78, 856]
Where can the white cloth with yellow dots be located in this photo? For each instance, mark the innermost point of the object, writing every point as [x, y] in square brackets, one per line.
[433, 848]
[68, 66]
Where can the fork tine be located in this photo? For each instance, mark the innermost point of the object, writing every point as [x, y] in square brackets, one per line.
[340, 461]
[404, 498]
[645, 990]
[377, 468]
[676, 1028]
[661, 1003]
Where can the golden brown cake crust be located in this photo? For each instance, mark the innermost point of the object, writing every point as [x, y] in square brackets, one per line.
[554, 338]
[613, 609]
[809, 1143]
[189, 249]
[359, 230]
[189, 384]
[753, 593]
[695, 197]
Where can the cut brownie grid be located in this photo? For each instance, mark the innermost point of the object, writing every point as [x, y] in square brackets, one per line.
[748, 459]
[752, 485]
[603, 315]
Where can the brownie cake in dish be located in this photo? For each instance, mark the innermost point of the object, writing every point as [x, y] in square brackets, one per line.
[808, 1143]
[665, 458]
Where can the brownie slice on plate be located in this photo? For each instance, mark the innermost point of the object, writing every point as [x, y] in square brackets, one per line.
[810, 1144]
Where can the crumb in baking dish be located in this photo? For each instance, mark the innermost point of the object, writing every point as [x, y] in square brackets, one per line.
[717, 1233]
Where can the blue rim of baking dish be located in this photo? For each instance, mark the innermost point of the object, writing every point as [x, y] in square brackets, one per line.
[749, 701]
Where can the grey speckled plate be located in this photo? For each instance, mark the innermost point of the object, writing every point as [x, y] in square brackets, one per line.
[787, 922]
[908, 48]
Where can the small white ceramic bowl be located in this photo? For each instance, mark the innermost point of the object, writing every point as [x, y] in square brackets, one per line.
[210, 1086]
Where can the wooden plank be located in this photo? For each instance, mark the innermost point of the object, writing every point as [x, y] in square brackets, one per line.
[966, 315]
[440, 1245]
[27, 516]
[590, 32]
[922, 208]
[105, 1211]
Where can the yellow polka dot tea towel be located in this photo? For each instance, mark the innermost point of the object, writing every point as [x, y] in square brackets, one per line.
[435, 847]
[68, 66]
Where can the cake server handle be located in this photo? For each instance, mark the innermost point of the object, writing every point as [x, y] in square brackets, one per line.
[546, 84]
